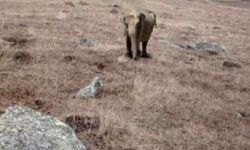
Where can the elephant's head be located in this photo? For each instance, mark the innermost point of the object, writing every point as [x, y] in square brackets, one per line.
[134, 23]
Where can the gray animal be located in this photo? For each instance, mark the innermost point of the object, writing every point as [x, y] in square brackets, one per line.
[138, 26]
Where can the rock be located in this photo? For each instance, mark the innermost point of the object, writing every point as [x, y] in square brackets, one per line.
[116, 6]
[216, 28]
[39, 104]
[92, 90]
[187, 46]
[114, 11]
[22, 128]
[22, 57]
[87, 42]
[83, 3]
[229, 64]
[122, 59]
[69, 58]
[211, 48]
[15, 40]
[83, 123]
[62, 15]
[70, 4]
[100, 66]
[162, 26]
[167, 15]
[241, 114]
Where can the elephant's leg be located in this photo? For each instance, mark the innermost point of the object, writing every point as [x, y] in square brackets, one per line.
[128, 42]
[138, 50]
[144, 49]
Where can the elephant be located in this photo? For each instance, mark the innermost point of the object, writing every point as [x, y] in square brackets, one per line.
[138, 26]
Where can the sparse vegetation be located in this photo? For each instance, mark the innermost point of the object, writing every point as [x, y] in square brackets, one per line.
[178, 99]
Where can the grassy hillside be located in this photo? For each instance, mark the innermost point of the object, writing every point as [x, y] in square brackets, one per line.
[180, 99]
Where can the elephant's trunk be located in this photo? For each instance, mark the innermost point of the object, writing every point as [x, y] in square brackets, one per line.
[135, 47]
[134, 35]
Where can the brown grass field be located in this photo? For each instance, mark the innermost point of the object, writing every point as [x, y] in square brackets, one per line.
[177, 100]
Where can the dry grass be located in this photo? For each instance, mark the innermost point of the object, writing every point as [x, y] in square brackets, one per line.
[179, 99]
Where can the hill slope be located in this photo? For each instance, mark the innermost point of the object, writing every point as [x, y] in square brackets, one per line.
[179, 99]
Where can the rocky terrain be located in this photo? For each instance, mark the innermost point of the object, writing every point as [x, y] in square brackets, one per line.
[193, 94]
[24, 128]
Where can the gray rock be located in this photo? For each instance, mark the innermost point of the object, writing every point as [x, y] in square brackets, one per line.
[211, 48]
[116, 6]
[87, 42]
[83, 3]
[70, 4]
[90, 90]
[114, 11]
[229, 64]
[241, 114]
[22, 128]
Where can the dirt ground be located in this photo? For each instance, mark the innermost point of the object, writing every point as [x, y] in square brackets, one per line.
[180, 99]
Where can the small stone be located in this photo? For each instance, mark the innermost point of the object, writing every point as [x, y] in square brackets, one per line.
[83, 3]
[70, 4]
[241, 114]
[216, 28]
[39, 102]
[229, 64]
[100, 66]
[167, 15]
[69, 58]
[122, 59]
[22, 57]
[61, 15]
[87, 42]
[162, 26]
[22, 25]
[116, 6]
[114, 11]
[83, 123]
[211, 48]
[91, 90]
[190, 47]
[15, 40]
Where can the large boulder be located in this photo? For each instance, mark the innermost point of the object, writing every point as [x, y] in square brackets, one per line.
[22, 128]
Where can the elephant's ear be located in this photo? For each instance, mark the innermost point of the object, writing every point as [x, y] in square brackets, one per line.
[142, 18]
[126, 19]
[123, 21]
[141, 29]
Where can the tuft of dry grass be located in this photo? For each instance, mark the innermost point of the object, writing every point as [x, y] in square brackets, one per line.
[178, 99]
